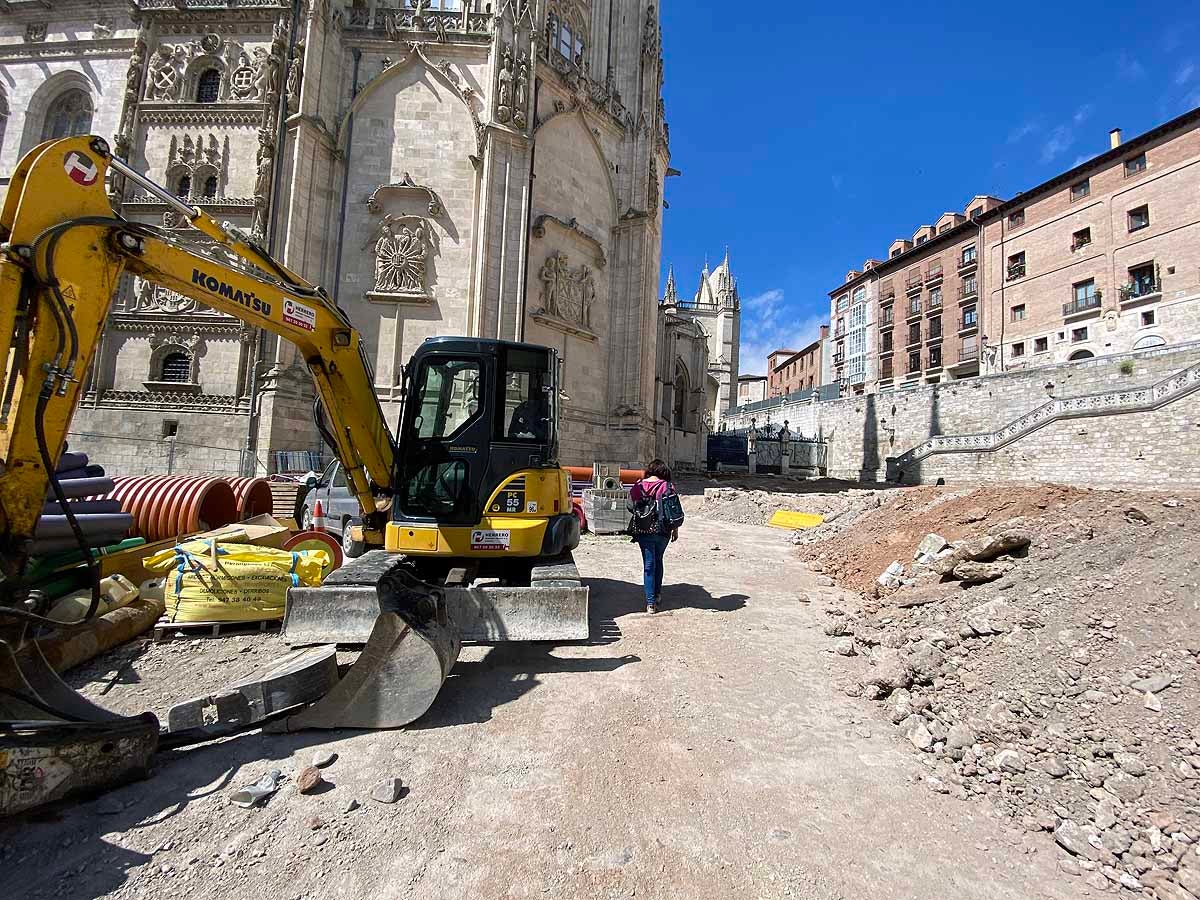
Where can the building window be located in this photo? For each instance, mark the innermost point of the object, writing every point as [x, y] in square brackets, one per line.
[1081, 238]
[860, 294]
[1135, 164]
[1018, 349]
[1018, 312]
[1080, 354]
[914, 333]
[935, 357]
[1041, 345]
[185, 186]
[970, 317]
[935, 297]
[1139, 218]
[1147, 318]
[976, 212]
[1016, 219]
[1142, 281]
[897, 252]
[922, 239]
[176, 366]
[1079, 335]
[1081, 189]
[210, 186]
[886, 342]
[935, 327]
[968, 255]
[70, 114]
[946, 227]
[843, 302]
[679, 401]
[914, 362]
[1085, 291]
[969, 287]
[1016, 266]
[208, 86]
[560, 38]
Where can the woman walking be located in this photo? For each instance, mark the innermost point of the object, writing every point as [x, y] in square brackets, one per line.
[648, 530]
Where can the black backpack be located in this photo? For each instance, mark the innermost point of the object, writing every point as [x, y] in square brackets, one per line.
[651, 515]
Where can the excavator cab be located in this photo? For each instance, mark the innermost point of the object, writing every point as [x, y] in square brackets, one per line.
[478, 475]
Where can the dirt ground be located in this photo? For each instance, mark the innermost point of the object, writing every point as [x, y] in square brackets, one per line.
[710, 751]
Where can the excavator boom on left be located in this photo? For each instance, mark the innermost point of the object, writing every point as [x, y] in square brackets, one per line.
[63, 252]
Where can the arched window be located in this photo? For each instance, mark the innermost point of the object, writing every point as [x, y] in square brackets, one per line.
[210, 186]
[1150, 340]
[185, 186]
[176, 366]
[208, 86]
[1080, 354]
[679, 413]
[564, 39]
[70, 114]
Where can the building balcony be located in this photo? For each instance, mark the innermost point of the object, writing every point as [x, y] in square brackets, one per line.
[934, 335]
[885, 374]
[968, 265]
[914, 341]
[968, 354]
[840, 332]
[968, 292]
[934, 275]
[886, 351]
[1082, 306]
[886, 295]
[1146, 290]
[839, 358]
[933, 305]
[914, 308]
[888, 317]
[915, 282]
[965, 325]
[1015, 272]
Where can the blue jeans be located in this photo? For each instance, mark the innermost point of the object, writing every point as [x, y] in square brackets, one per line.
[653, 547]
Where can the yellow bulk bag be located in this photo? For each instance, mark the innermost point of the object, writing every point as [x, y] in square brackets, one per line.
[217, 580]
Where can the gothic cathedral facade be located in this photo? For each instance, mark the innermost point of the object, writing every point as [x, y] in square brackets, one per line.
[490, 168]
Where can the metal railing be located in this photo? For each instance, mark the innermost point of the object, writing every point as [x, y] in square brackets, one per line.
[1138, 289]
[966, 354]
[914, 280]
[914, 306]
[934, 273]
[1082, 304]
[888, 317]
[968, 290]
[934, 302]
[968, 322]
[1016, 271]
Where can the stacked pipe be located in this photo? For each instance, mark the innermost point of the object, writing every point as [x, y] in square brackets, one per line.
[253, 496]
[164, 507]
[101, 521]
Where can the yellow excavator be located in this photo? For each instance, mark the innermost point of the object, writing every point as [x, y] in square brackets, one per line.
[466, 516]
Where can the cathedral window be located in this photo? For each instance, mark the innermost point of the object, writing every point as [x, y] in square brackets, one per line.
[210, 186]
[565, 39]
[185, 186]
[679, 413]
[176, 367]
[70, 114]
[208, 86]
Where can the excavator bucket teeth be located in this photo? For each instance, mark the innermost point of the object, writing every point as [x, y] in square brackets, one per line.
[411, 647]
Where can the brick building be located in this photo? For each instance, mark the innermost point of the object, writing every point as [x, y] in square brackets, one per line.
[789, 371]
[1104, 258]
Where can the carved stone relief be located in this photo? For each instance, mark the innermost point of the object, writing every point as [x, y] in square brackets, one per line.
[166, 72]
[405, 188]
[567, 294]
[504, 86]
[295, 74]
[401, 256]
[148, 297]
[35, 32]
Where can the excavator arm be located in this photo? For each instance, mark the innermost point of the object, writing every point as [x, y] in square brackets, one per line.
[63, 254]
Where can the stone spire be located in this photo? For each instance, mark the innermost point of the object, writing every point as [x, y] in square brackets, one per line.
[671, 296]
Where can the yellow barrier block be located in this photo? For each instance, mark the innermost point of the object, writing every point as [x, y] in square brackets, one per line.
[787, 519]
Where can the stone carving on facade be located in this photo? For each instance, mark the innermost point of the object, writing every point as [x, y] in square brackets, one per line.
[166, 73]
[405, 186]
[148, 297]
[651, 39]
[521, 94]
[401, 256]
[295, 74]
[504, 86]
[653, 199]
[102, 29]
[567, 294]
[35, 32]
[200, 160]
[571, 228]
[262, 182]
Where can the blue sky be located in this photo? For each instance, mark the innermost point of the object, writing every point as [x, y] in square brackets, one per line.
[811, 136]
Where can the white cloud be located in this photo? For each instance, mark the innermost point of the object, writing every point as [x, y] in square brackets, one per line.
[1081, 114]
[1185, 73]
[1062, 137]
[1022, 131]
[768, 325]
[1129, 68]
[837, 182]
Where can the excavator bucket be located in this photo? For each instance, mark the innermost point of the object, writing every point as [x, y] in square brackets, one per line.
[55, 742]
[410, 650]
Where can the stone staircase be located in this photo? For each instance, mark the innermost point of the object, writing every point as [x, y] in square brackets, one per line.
[1143, 399]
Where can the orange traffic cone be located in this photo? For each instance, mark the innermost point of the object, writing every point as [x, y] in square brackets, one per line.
[318, 517]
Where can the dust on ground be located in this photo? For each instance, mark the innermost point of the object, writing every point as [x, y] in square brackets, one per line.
[1064, 689]
[709, 751]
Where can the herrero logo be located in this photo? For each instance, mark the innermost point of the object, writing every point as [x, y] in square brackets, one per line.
[248, 299]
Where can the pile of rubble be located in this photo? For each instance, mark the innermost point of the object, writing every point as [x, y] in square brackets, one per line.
[1052, 666]
[749, 504]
